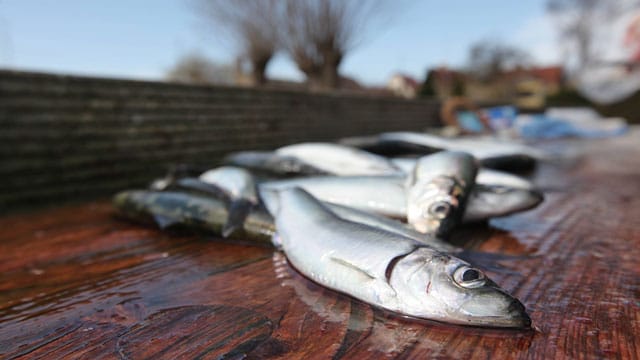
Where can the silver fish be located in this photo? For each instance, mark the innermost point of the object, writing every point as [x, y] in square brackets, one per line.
[339, 159]
[437, 190]
[192, 211]
[386, 195]
[387, 270]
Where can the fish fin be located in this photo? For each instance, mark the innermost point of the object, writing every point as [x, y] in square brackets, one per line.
[352, 267]
[164, 221]
[238, 211]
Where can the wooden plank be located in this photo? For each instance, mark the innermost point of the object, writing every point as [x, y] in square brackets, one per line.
[77, 282]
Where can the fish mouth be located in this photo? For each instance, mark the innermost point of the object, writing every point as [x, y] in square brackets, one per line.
[519, 316]
[513, 316]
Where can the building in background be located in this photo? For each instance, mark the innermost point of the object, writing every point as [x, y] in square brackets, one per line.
[403, 85]
[526, 87]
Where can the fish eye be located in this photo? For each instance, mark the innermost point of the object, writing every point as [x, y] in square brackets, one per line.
[440, 209]
[469, 277]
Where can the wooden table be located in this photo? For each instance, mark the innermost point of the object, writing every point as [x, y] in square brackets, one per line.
[77, 282]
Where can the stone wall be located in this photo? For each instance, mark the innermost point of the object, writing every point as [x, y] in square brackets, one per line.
[66, 138]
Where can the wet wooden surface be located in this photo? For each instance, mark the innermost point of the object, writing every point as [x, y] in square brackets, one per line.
[76, 282]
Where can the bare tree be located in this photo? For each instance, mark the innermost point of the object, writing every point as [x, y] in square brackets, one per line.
[319, 33]
[489, 58]
[250, 24]
[197, 69]
[580, 21]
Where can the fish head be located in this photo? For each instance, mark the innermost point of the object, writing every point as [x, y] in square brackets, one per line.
[437, 190]
[434, 285]
[432, 205]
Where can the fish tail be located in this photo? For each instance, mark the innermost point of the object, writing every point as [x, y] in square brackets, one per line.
[238, 211]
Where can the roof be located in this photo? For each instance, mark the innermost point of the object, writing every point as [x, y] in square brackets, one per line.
[548, 74]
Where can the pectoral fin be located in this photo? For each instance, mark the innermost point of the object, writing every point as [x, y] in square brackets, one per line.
[352, 268]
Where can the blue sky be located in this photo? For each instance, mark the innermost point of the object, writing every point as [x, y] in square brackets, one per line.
[133, 39]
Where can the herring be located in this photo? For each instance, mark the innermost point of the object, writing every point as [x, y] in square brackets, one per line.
[387, 270]
[386, 195]
[191, 211]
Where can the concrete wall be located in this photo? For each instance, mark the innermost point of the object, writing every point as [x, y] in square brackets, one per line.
[66, 138]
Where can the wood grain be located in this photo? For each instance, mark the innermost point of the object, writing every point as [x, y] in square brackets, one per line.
[75, 282]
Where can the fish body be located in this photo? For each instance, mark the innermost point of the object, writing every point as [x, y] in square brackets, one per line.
[191, 211]
[385, 269]
[339, 159]
[437, 190]
[386, 195]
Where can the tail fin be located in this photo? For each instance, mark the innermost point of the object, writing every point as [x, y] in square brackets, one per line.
[238, 211]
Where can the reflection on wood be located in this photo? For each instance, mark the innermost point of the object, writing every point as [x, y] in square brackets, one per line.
[77, 282]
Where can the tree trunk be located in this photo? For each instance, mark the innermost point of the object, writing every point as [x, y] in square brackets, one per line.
[257, 74]
[330, 77]
[327, 77]
[315, 81]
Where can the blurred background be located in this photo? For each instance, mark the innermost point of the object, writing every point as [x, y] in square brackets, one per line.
[531, 53]
[100, 96]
